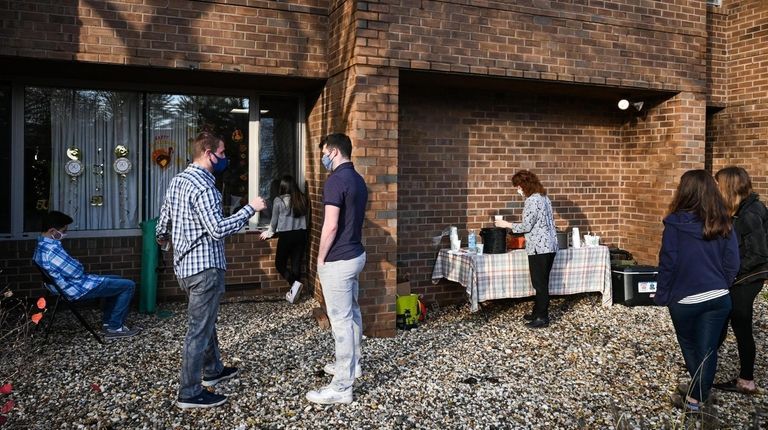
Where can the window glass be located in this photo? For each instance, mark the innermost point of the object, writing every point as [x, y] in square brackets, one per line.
[175, 120]
[5, 159]
[81, 157]
[278, 149]
[106, 157]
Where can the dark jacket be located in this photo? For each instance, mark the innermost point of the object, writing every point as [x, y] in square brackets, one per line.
[751, 224]
[690, 265]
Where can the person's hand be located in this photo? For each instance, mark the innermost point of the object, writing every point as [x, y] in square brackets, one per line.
[258, 204]
[503, 224]
[265, 235]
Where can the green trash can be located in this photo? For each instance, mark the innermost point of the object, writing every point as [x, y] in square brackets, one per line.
[149, 257]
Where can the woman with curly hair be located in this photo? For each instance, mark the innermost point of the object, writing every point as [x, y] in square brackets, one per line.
[540, 241]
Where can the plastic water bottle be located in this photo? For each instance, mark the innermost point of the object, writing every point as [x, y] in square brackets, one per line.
[472, 242]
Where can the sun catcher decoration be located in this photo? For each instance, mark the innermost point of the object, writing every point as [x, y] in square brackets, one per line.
[162, 155]
[237, 136]
[73, 167]
[122, 164]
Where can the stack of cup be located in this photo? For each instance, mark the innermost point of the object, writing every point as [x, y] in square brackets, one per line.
[455, 242]
[575, 238]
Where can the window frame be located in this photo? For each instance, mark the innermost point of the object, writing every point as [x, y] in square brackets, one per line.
[18, 87]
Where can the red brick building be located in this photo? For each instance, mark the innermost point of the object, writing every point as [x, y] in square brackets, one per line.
[444, 101]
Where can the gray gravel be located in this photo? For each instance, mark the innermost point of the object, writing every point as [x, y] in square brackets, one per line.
[594, 367]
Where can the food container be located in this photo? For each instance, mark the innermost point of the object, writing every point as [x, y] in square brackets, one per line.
[494, 240]
[515, 241]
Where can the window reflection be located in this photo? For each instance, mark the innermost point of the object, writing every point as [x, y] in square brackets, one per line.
[74, 138]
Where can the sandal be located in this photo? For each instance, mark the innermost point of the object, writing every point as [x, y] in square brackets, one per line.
[733, 386]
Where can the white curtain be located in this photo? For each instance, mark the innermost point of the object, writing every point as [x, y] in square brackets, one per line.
[171, 131]
[95, 123]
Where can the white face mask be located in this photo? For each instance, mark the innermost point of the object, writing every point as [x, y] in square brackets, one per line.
[57, 235]
[520, 191]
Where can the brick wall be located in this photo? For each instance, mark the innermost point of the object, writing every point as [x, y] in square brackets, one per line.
[459, 150]
[717, 72]
[605, 172]
[264, 37]
[359, 48]
[658, 148]
[620, 43]
[738, 134]
[362, 102]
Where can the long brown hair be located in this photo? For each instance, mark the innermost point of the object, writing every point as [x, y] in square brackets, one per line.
[529, 182]
[697, 193]
[289, 186]
[735, 185]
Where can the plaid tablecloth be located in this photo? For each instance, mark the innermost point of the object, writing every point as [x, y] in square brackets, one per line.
[499, 276]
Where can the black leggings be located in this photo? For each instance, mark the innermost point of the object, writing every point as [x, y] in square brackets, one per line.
[540, 265]
[743, 298]
[290, 244]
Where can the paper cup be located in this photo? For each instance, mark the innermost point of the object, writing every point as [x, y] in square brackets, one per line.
[479, 249]
[498, 217]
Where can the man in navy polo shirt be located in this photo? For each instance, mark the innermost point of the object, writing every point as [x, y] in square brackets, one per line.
[340, 260]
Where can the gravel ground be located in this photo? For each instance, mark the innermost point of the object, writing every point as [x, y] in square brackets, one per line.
[594, 367]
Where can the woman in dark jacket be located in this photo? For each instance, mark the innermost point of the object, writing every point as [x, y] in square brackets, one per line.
[750, 220]
[698, 261]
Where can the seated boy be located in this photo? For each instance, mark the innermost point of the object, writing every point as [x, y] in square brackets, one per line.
[76, 284]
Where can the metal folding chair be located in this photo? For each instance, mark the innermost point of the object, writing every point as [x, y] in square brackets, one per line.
[57, 291]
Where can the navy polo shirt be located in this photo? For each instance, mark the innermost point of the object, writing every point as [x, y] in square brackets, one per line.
[346, 189]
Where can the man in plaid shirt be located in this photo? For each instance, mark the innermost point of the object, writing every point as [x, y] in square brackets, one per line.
[192, 210]
[70, 276]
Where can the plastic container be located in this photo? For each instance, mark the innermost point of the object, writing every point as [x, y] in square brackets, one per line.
[472, 242]
[149, 258]
[633, 285]
[407, 311]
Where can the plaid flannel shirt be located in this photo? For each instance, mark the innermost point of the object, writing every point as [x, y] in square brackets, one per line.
[65, 270]
[192, 206]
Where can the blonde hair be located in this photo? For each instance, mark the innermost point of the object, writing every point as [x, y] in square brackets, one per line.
[735, 185]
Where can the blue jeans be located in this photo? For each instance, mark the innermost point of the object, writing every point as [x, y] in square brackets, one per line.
[117, 294]
[201, 355]
[340, 288]
[698, 327]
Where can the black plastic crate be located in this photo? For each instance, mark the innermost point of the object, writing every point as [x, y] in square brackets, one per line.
[633, 285]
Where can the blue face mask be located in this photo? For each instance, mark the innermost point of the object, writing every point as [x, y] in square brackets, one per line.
[327, 162]
[221, 164]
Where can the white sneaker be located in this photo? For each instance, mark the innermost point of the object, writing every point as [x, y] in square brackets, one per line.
[330, 369]
[328, 396]
[294, 292]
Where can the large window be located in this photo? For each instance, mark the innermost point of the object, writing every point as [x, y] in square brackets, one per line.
[73, 140]
[106, 157]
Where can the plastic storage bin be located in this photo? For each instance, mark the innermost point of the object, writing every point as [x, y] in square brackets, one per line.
[633, 285]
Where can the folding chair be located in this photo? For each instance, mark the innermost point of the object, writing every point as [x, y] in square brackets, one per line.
[57, 291]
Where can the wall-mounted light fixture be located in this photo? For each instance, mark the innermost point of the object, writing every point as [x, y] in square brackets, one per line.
[624, 105]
